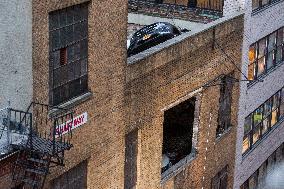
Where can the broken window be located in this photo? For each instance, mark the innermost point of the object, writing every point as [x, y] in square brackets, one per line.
[130, 166]
[224, 117]
[68, 53]
[177, 133]
[220, 180]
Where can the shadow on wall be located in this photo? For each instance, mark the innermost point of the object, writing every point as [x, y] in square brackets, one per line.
[275, 178]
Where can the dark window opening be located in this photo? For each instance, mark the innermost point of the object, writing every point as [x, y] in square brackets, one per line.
[68, 53]
[130, 166]
[224, 117]
[177, 133]
[220, 180]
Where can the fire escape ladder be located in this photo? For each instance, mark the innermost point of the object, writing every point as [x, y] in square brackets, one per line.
[46, 139]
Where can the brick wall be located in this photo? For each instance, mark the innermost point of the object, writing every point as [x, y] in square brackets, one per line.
[101, 140]
[170, 76]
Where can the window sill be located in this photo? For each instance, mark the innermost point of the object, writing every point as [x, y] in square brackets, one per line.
[178, 167]
[263, 138]
[71, 103]
[261, 77]
[260, 9]
[224, 134]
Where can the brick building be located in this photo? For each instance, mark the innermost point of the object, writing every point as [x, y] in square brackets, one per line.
[125, 110]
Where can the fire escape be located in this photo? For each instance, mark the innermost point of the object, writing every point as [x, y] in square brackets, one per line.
[41, 138]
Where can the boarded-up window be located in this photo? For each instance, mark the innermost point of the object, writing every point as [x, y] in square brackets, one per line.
[220, 180]
[75, 178]
[130, 167]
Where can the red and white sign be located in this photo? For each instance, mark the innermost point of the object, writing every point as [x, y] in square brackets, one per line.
[70, 125]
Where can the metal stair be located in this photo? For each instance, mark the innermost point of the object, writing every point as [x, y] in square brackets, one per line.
[44, 146]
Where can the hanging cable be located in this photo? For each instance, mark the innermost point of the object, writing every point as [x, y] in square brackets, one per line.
[231, 60]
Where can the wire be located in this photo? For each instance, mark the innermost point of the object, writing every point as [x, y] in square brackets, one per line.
[231, 60]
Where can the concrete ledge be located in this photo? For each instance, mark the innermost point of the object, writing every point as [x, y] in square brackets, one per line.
[178, 167]
[71, 103]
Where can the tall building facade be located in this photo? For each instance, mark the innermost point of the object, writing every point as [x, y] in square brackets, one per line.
[260, 132]
[15, 53]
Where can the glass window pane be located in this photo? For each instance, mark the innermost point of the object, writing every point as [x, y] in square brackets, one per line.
[84, 67]
[274, 117]
[252, 53]
[54, 59]
[251, 72]
[261, 47]
[265, 125]
[269, 61]
[248, 124]
[77, 69]
[256, 134]
[272, 41]
[267, 107]
[257, 115]
[280, 36]
[246, 143]
[253, 181]
[53, 21]
[282, 103]
[271, 161]
[282, 110]
[62, 17]
[279, 54]
[276, 100]
[255, 4]
[264, 2]
[70, 71]
[54, 40]
[261, 175]
[261, 66]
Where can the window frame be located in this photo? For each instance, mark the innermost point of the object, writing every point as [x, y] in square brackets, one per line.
[250, 133]
[68, 55]
[225, 104]
[253, 66]
[261, 5]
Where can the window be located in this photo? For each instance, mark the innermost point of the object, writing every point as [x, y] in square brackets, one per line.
[260, 122]
[224, 117]
[265, 54]
[259, 4]
[282, 103]
[73, 179]
[68, 52]
[177, 133]
[259, 178]
[130, 166]
[220, 180]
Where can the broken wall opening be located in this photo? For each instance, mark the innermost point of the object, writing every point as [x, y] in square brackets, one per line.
[178, 132]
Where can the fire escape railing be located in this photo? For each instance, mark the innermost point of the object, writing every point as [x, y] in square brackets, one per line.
[37, 134]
